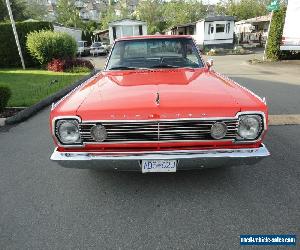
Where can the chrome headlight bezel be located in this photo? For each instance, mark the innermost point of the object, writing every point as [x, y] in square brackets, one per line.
[73, 124]
[255, 118]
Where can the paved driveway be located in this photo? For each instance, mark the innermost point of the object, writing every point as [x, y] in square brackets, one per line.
[44, 206]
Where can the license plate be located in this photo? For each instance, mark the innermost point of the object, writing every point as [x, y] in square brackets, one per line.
[158, 166]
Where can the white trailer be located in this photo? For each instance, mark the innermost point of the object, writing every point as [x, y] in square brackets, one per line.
[291, 30]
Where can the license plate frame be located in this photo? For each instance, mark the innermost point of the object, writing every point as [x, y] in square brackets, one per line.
[159, 166]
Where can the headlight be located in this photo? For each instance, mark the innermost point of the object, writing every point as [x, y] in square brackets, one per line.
[249, 126]
[98, 132]
[68, 132]
[218, 130]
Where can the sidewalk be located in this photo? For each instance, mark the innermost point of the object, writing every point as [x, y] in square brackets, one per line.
[238, 66]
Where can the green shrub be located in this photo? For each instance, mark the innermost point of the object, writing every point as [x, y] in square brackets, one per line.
[275, 34]
[5, 94]
[9, 56]
[46, 45]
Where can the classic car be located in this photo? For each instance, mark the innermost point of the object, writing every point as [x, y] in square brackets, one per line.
[158, 107]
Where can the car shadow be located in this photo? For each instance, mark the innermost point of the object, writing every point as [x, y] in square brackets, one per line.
[131, 182]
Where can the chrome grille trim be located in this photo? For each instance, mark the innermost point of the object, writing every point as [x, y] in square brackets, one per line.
[158, 131]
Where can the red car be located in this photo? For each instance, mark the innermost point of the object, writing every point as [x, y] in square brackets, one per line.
[157, 107]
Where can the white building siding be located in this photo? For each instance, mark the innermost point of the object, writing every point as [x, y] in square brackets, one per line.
[126, 28]
[216, 35]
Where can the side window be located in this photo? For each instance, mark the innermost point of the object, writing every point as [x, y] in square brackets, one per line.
[191, 53]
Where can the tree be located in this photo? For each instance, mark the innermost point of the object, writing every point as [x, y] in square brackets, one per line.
[18, 8]
[152, 12]
[35, 10]
[180, 11]
[108, 16]
[68, 13]
[243, 9]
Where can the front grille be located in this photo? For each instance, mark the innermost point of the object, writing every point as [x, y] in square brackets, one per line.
[151, 131]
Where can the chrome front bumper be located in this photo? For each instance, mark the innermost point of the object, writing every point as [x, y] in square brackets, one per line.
[187, 159]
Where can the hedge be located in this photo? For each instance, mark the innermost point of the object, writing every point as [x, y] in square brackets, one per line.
[275, 35]
[9, 55]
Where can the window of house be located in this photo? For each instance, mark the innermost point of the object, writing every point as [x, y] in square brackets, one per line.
[220, 28]
[140, 30]
[191, 30]
[210, 29]
[114, 33]
[227, 27]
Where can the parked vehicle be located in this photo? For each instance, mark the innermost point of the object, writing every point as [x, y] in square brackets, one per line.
[98, 48]
[106, 46]
[83, 49]
[157, 107]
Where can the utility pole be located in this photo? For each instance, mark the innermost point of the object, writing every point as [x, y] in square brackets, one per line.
[13, 25]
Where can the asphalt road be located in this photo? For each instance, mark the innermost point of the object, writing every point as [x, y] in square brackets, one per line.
[44, 206]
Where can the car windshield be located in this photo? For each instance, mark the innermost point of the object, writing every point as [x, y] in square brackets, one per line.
[98, 44]
[154, 53]
[80, 44]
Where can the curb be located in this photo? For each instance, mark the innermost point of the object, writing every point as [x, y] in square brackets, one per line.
[32, 110]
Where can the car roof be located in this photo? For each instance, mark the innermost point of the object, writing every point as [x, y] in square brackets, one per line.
[153, 37]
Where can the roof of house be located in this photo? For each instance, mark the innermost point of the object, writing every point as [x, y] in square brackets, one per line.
[258, 19]
[207, 19]
[127, 19]
[218, 18]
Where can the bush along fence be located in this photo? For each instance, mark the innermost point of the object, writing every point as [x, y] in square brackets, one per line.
[8, 50]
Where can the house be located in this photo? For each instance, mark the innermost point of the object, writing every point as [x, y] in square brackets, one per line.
[126, 27]
[101, 35]
[252, 32]
[89, 10]
[210, 32]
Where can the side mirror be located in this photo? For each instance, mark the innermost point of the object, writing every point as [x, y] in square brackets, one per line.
[210, 63]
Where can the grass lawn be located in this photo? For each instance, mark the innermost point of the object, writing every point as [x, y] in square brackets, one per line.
[30, 86]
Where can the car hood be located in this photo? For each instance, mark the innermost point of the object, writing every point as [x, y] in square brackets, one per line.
[161, 94]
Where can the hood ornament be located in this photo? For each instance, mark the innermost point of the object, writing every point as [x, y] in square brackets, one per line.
[157, 100]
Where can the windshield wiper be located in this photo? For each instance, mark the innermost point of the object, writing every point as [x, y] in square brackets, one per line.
[164, 66]
[122, 68]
